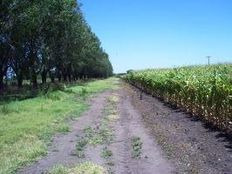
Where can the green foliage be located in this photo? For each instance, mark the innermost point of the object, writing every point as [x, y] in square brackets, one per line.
[59, 170]
[84, 93]
[204, 91]
[49, 37]
[5, 109]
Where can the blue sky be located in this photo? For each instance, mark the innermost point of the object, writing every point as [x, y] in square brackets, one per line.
[161, 33]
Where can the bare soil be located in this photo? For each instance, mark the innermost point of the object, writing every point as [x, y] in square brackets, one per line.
[129, 125]
[194, 147]
[169, 141]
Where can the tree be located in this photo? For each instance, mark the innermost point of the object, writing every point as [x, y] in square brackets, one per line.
[49, 37]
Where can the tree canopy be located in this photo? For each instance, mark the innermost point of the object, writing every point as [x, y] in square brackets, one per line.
[48, 38]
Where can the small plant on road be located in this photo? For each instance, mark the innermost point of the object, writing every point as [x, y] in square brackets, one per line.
[106, 153]
[99, 135]
[136, 144]
[80, 147]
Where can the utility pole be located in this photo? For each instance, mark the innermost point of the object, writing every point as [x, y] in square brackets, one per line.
[208, 57]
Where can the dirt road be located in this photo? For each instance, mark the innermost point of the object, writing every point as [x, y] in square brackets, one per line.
[126, 135]
[130, 126]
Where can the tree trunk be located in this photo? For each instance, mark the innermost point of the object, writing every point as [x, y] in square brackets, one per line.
[52, 77]
[1, 82]
[70, 78]
[20, 80]
[44, 77]
[65, 77]
[59, 76]
[34, 79]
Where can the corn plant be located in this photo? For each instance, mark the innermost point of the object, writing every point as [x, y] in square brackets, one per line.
[204, 91]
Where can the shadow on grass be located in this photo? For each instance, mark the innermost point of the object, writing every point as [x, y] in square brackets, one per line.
[13, 93]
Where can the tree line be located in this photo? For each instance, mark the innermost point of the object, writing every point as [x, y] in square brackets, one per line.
[48, 38]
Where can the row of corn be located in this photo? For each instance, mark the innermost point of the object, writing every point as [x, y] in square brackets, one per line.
[204, 91]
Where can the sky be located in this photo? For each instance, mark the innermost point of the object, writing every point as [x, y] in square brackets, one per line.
[140, 34]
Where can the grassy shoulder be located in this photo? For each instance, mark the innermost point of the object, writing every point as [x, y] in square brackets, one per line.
[27, 126]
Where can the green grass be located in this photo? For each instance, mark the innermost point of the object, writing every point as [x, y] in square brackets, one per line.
[96, 86]
[59, 170]
[84, 168]
[27, 126]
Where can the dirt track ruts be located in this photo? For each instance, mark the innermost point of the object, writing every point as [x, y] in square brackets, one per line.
[172, 141]
[129, 125]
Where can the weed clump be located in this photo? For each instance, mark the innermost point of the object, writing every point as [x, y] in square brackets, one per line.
[106, 153]
[84, 92]
[5, 109]
[80, 147]
[136, 144]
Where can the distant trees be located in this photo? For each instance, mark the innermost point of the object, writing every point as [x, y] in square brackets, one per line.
[48, 38]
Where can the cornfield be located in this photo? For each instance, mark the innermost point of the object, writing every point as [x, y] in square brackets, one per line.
[204, 91]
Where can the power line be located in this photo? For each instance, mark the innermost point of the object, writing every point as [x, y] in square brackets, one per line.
[208, 57]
